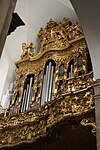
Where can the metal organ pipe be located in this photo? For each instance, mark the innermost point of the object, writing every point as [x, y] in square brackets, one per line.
[71, 72]
[51, 84]
[48, 85]
[29, 93]
[15, 109]
[43, 91]
[48, 82]
[44, 86]
[25, 101]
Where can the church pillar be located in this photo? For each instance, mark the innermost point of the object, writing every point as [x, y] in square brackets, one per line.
[6, 9]
[96, 86]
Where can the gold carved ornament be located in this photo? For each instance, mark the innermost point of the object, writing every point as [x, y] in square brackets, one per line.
[57, 35]
[75, 98]
[28, 50]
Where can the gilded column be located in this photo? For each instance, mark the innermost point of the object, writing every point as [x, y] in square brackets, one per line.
[21, 93]
[56, 76]
[41, 87]
[75, 67]
[84, 60]
[34, 89]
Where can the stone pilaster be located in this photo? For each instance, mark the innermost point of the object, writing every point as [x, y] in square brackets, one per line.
[96, 86]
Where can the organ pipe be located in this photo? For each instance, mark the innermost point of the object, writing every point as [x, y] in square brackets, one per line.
[29, 92]
[51, 84]
[48, 85]
[44, 86]
[15, 107]
[43, 91]
[53, 87]
[71, 72]
[48, 82]
[23, 101]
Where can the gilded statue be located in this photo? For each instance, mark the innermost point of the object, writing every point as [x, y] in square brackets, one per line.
[77, 29]
[28, 50]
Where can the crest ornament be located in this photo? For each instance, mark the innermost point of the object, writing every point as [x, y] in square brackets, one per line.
[58, 34]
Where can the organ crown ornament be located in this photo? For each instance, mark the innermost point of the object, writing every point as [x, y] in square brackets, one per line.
[57, 35]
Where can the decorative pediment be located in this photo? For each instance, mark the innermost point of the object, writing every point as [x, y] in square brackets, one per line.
[55, 36]
[59, 34]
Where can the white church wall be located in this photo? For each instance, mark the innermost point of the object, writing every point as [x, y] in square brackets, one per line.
[7, 73]
[7, 97]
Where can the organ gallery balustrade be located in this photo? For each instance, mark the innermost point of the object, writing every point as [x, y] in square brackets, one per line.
[34, 122]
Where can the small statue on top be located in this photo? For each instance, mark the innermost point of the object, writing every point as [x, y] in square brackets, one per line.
[27, 50]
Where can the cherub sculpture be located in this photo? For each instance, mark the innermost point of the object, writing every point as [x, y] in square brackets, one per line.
[27, 49]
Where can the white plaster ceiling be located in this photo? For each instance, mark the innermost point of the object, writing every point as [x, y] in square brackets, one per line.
[35, 14]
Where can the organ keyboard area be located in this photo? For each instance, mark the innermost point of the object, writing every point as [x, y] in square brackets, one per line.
[41, 76]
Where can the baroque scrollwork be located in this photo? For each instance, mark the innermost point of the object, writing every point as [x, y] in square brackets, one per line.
[89, 122]
[33, 123]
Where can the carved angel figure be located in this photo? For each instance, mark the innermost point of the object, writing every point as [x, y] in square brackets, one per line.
[27, 49]
[77, 29]
[71, 33]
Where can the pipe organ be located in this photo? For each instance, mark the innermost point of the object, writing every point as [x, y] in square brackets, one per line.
[51, 85]
[65, 57]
